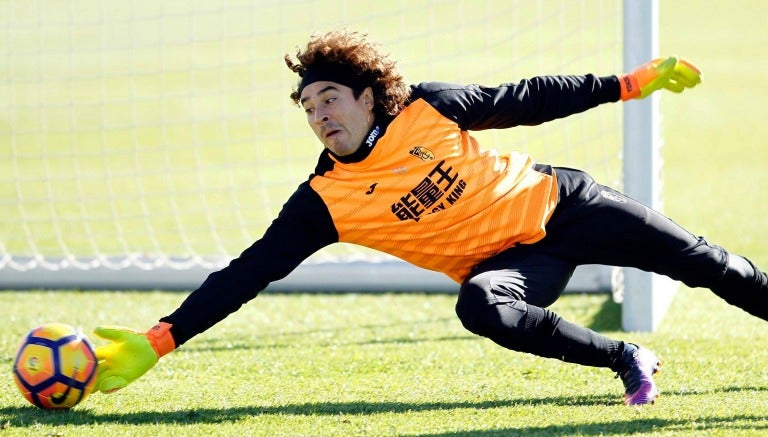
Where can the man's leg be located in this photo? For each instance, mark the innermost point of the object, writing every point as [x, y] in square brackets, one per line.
[504, 299]
[744, 286]
[595, 224]
[499, 301]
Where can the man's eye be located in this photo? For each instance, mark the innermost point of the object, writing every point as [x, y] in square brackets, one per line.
[309, 110]
[330, 100]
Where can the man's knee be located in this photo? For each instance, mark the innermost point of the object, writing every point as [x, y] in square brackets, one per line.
[468, 308]
[511, 323]
[483, 317]
[744, 286]
[702, 264]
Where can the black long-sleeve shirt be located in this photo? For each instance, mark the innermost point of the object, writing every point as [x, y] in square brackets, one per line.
[419, 187]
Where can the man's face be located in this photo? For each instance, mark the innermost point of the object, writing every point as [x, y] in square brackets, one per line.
[340, 121]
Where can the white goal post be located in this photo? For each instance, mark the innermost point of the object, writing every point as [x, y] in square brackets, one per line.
[646, 296]
[145, 144]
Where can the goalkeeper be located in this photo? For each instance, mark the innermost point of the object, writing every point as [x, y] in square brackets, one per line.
[399, 172]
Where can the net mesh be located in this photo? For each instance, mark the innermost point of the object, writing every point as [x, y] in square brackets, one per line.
[157, 134]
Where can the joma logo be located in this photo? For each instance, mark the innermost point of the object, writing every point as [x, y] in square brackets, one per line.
[372, 136]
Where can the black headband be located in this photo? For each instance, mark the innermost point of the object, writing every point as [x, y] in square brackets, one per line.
[337, 73]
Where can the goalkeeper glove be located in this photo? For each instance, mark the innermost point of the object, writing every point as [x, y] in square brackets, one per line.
[129, 354]
[669, 73]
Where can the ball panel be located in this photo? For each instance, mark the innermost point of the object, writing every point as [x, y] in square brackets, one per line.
[25, 390]
[54, 331]
[34, 364]
[77, 360]
[59, 395]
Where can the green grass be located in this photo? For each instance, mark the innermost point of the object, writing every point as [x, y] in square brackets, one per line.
[332, 365]
[716, 152]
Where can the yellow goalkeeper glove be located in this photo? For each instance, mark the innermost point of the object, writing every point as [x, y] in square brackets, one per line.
[129, 354]
[669, 73]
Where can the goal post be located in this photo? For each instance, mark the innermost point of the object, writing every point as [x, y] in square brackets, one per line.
[145, 144]
[646, 296]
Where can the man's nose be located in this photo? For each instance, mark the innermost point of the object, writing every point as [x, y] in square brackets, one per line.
[320, 117]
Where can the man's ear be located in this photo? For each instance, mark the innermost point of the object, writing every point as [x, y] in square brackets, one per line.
[368, 97]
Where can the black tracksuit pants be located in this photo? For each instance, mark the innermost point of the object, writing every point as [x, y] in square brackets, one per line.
[505, 297]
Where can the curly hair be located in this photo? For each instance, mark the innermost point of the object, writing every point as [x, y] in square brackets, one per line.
[352, 50]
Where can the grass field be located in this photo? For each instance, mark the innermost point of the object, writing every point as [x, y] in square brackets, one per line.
[401, 364]
[338, 365]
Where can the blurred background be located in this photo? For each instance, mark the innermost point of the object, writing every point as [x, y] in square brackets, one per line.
[142, 133]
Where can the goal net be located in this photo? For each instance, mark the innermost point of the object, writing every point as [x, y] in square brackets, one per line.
[145, 143]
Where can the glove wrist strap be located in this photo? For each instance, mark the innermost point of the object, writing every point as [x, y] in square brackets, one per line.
[630, 87]
[160, 338]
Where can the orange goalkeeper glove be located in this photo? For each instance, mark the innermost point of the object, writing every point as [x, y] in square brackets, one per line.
[669, 73]
[129, 354]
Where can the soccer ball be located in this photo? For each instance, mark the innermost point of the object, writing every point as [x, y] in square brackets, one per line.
[55, 366]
